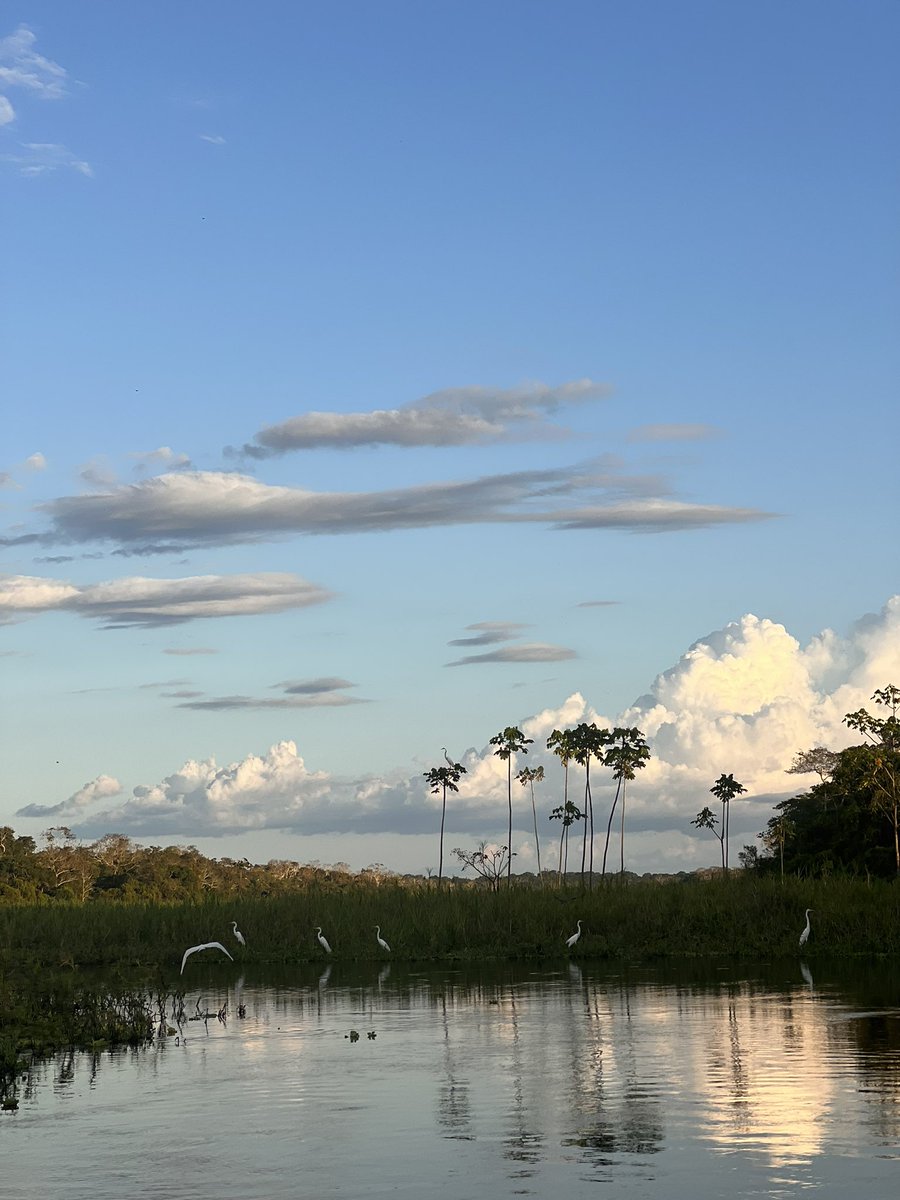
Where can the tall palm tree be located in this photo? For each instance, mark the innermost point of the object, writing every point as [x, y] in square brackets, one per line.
[562, 743]
[627, 754]
[725, 789]
[590, 742]
[509, 742]
[530, 775]
[439, 779]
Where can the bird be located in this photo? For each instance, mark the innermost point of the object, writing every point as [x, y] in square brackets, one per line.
[203, 946]
[238, 934]
[570, 942]
[449, 761]
[379, 939]
[805, 934]
[323, 942]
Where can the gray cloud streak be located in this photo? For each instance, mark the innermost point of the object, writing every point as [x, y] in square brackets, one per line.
[526, 652]
[196, 508]
[452, 417]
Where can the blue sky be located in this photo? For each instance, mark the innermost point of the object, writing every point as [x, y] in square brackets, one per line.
[344, 343]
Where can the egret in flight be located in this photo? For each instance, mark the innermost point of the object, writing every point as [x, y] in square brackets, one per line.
[238, 934]
[570, 942]
[379, 939]
[203, 946]
[323, 942]
[805, 934]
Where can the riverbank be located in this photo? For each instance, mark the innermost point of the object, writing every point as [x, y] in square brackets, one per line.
[741, 916]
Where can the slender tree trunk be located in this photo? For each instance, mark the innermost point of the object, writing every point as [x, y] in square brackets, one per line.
[441, 853]
[509, 838]
[609, 823]
[537, 841]
[562, 833]
[724, 838]
[590, 818]
[622, 834]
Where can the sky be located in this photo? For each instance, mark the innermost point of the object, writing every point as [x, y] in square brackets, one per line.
[379, 376]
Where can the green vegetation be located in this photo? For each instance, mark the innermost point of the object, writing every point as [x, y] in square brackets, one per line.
[849, 822]
[742, 916]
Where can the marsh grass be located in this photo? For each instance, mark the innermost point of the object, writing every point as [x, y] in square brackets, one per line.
[742, 916]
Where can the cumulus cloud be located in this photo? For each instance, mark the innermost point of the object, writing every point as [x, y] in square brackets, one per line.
[524, 652]
[673, 433]
[101, 788]
[194, 508]
[151, 602]
[453, 417]
[742, 700]
[36, 462]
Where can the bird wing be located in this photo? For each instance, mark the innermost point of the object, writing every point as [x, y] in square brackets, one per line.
[216, 946]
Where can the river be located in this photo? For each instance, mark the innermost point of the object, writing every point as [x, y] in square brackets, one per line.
[391, 1080]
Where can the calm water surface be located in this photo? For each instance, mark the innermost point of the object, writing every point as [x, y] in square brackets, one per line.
[577, 1081]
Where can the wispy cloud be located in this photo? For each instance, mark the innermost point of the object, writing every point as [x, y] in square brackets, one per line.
[327, 692]
[674, 433]
[163, 458]
[489, 632]
[597, 603]
[23, 69]
[214, 139]
[524, 652]
[137, 601]
[453, 417]
[43, 158]
[33, 76]
[196, 508]
[190, 651]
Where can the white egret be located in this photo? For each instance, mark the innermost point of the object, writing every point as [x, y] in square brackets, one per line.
[323, 942]
[805, 934]
[447, 758]
[570, 942]
[379, 939]
[238, 934]
[203, 946]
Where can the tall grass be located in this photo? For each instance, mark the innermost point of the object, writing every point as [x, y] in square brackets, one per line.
[741, 917]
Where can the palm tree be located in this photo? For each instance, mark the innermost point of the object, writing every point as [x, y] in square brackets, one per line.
[509, 742]
[627, 755]
[562, 743]
[725, 789]
[590, 742]
[529, 775]
[439, 779]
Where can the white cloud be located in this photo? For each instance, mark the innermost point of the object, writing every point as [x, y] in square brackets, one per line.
[742, 700]
[43, 158]
[164, 457]
[22, 67]
[7, 112]
[101, 788]
[148, 602]
[35, 462]
[214, 139]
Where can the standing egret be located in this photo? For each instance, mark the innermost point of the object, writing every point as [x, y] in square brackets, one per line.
[379, 939]
[570, 942]
[238, 934]
[323, 942]
[203, 946]
[805, 934]
[449, 761]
